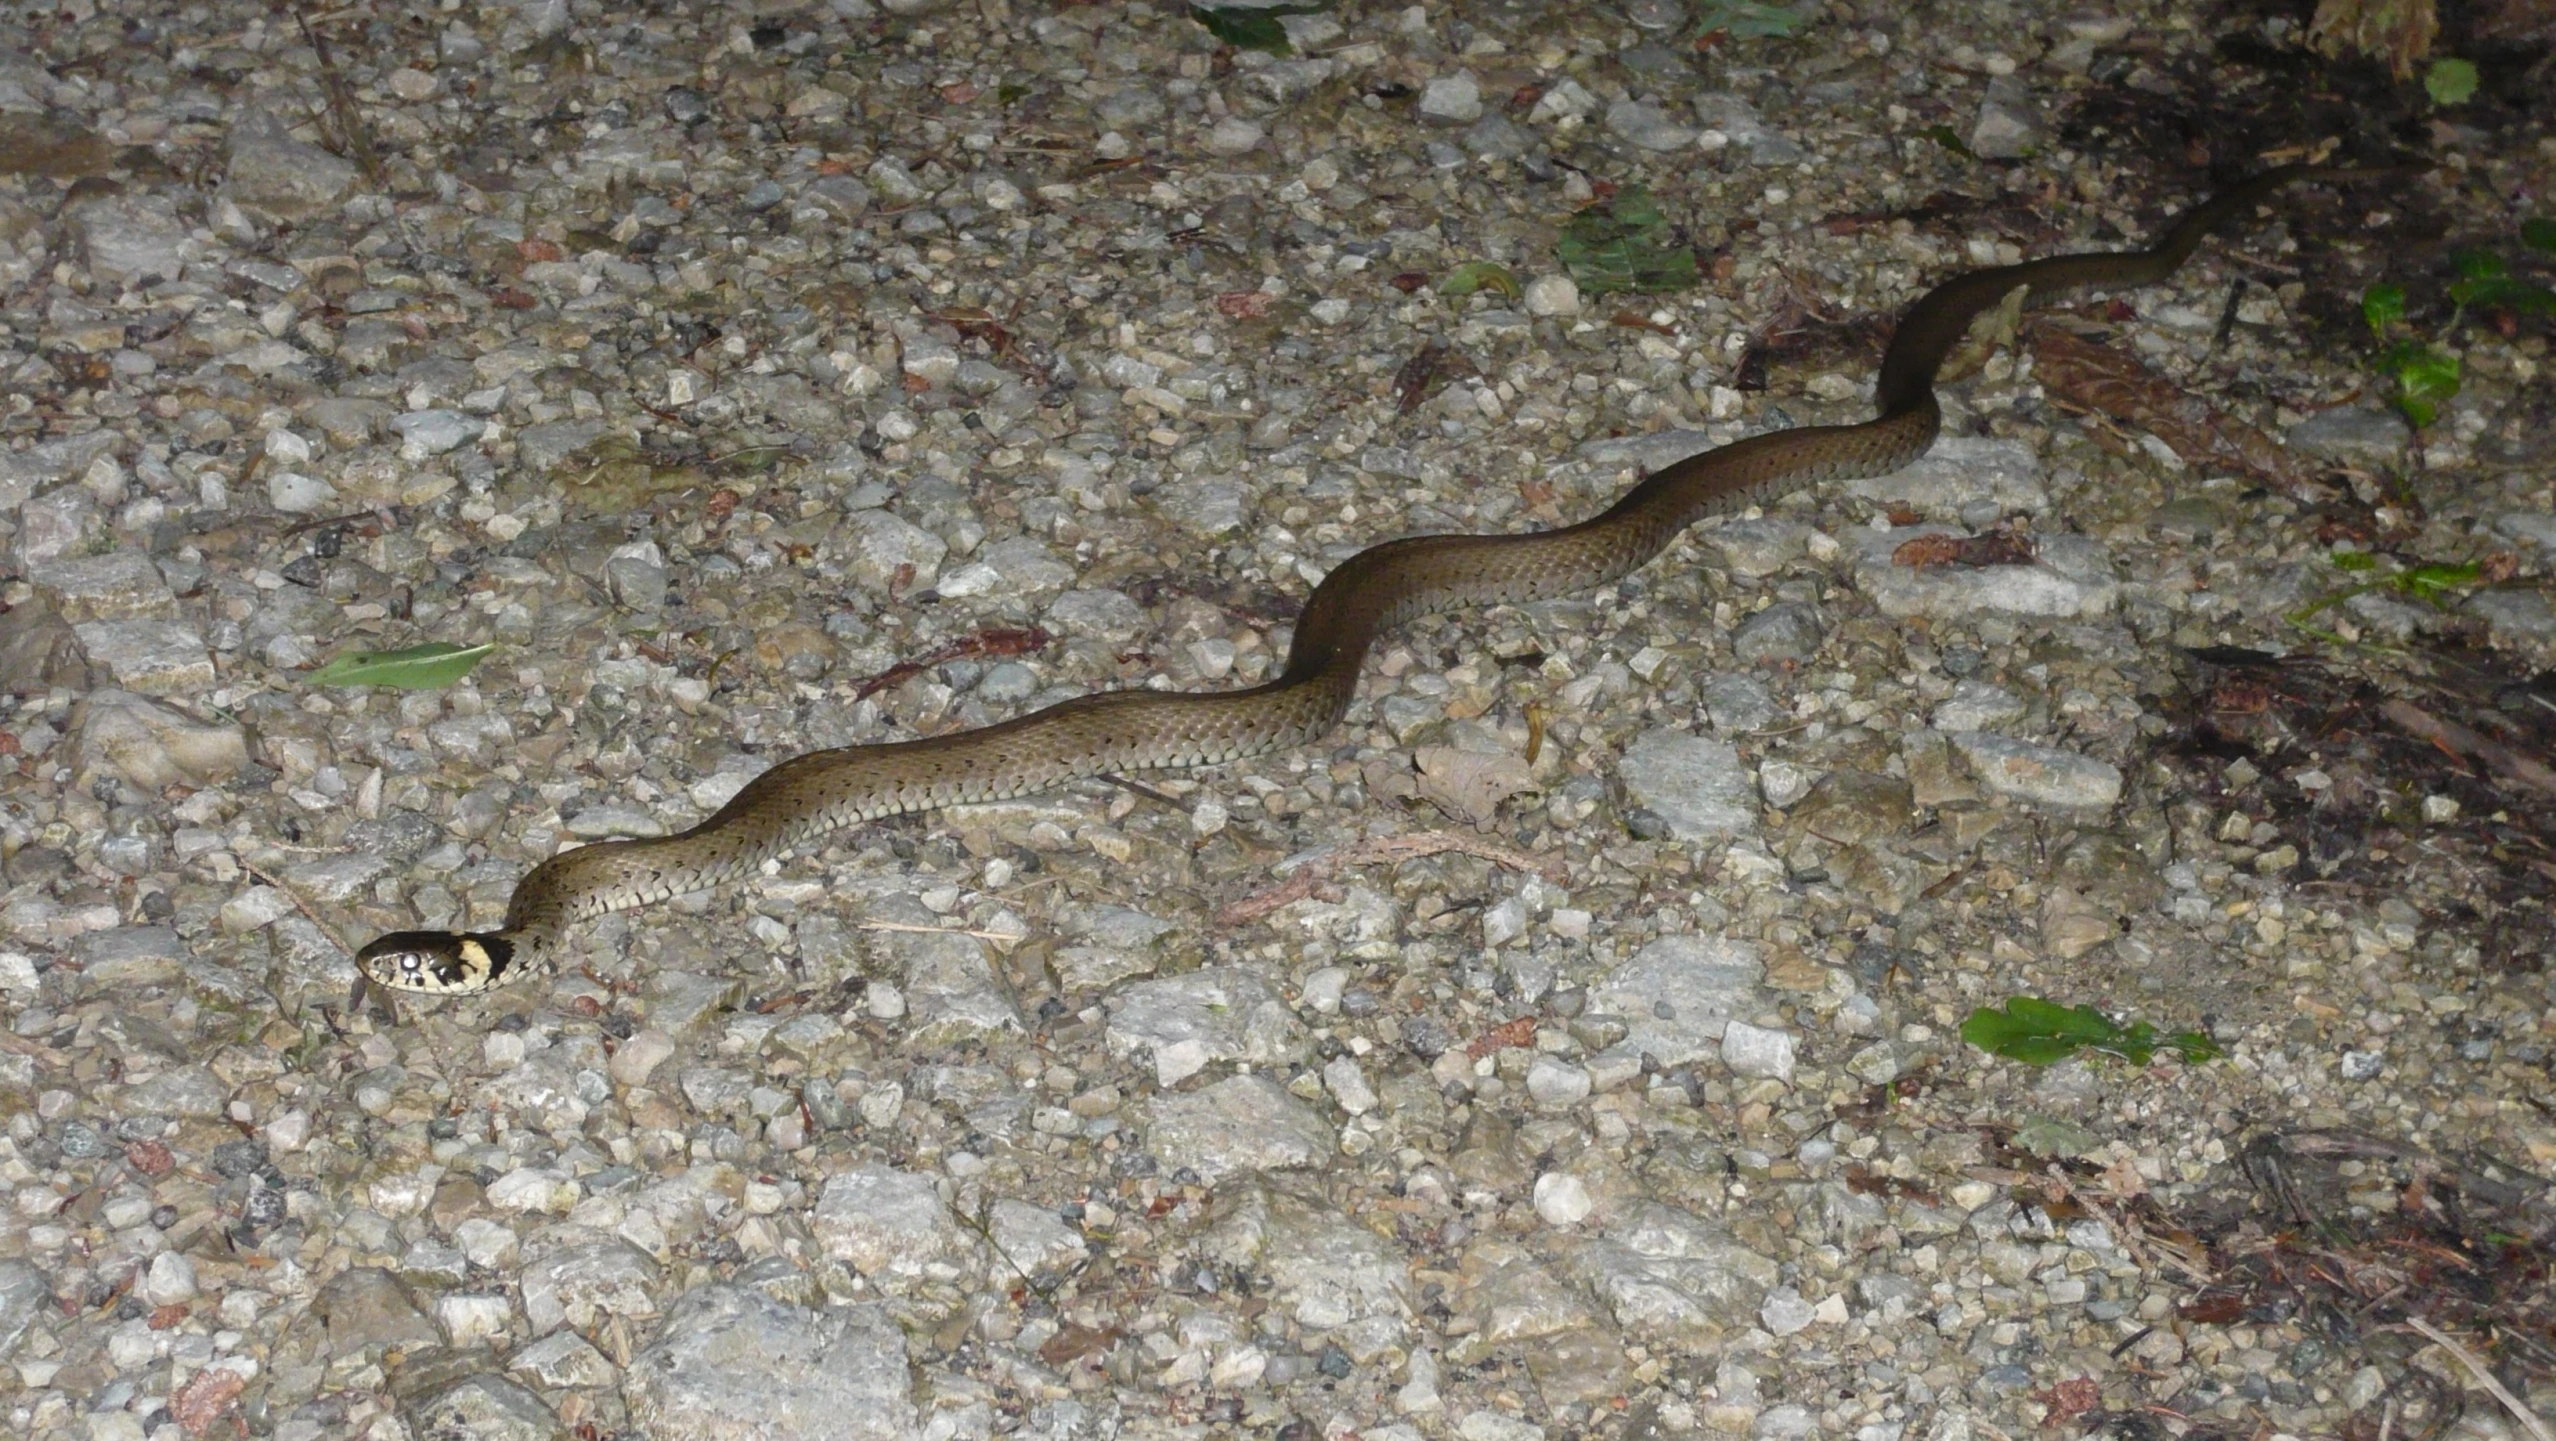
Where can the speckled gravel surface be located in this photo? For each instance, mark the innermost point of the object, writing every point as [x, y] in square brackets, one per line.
[709, 361]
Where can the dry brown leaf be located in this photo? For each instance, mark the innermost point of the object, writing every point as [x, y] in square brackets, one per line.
[2098, 378]
[1468, 786]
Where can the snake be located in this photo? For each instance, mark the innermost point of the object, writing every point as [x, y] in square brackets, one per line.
[1113, 732]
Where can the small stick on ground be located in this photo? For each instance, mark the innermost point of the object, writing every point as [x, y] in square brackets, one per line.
[2528, 1419]
[1381, 849]
[2457, 739]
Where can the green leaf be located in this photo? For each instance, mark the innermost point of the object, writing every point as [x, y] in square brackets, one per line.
[2539, 233]
[2435, 582]
[1476, 275]
[2383, 306]
[1626, 244]
[2038, 1032]
[1252, 28]
[2478, 264]
[2521, 297]
[1948, 138]
[2424, 378]
[2354, 560]
[1748, 19]
[431, 666]
[2450, 82]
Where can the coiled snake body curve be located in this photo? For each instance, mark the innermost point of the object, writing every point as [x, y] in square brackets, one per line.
[1373, 591]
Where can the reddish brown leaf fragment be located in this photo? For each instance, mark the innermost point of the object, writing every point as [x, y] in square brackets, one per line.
[2000, 546]
[2069, 1399]
[205, 1397]
[1520, 1032]
[1409, 281]
[1245, 304]
[1076, 1342]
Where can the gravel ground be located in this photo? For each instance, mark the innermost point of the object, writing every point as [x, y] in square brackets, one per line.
[1568, 1046]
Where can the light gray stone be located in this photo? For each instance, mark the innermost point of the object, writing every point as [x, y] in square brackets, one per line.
[1677, 995]
[733, 1364]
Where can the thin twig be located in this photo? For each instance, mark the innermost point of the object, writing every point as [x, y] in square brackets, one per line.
[1318, 868]
[2529, 1419]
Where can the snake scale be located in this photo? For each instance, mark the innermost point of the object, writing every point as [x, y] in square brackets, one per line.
[1371, 592]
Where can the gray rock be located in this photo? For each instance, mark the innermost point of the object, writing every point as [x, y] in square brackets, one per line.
[1647, 127]
[1018, 566]
[1242, 1123]
[425, 434]
[889, 1225]
[192, 1091]
[156, 657]
[293, 493]
[891, 554]
[120, 585]
[2008, 126]
[1668, 1275]
[563, 1359]
[134, 238]
[129, 957]
[1744, 130]
[1962, 471]
[274, 175]
[1186, 1023]
[952, 993]
[733, 1364]
[2038, 775]
[2071, 579]
[46, 464]
[2356, 435]
[484, 1407]
[150, 744]
[1737, 704]
[1699, 787]
[1678, 994]
[1035, 1239]
[24, 1296]
[1106, 615]
[2518, 616]
[1454, 99]
[1755, 549]
[1977, 705]
[367, 1311]
[1787, 631]
[1757, 1051]
[576, 1276]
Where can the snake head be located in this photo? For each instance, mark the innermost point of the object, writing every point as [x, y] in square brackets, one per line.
[437, 963]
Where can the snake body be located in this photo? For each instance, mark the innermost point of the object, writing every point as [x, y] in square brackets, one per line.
[1371, 592]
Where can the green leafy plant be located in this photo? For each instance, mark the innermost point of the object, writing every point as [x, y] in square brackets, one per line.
[2038, 1032]
[2424, 376]
[1749, 19]
[2485, 278]
[1476, 275]
[1626, 244]
[431, 666]
[1252, 28]
[2450, 82]
[2438, 584]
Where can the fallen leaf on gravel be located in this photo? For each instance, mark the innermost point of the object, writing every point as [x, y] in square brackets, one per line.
[2081, 374]
[1467, 786]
